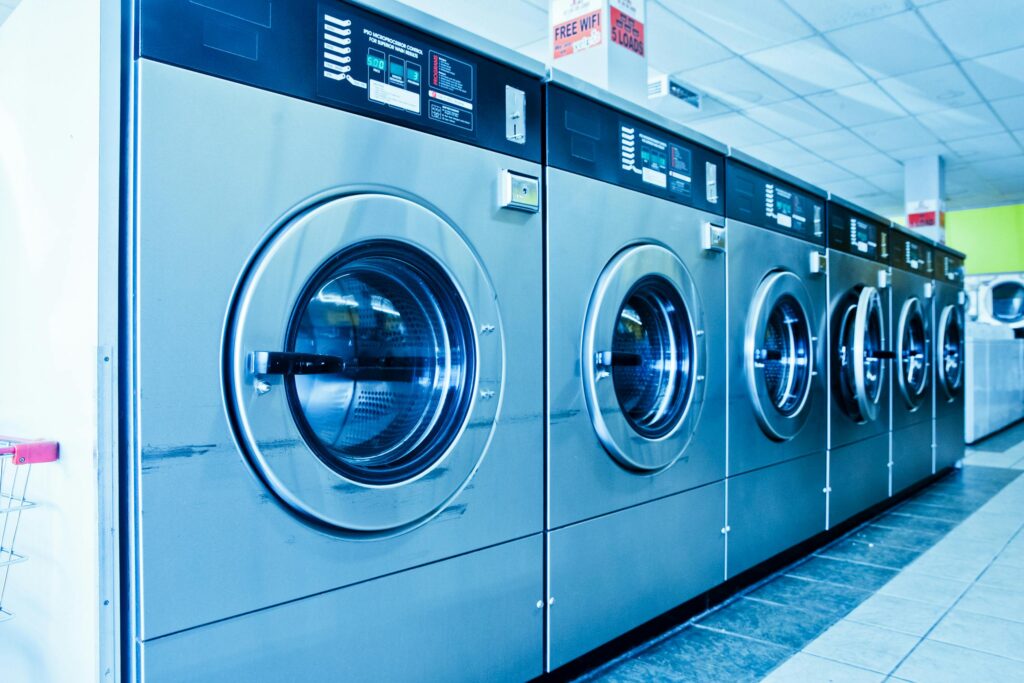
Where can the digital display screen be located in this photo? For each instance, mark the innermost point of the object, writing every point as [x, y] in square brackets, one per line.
[863, 236]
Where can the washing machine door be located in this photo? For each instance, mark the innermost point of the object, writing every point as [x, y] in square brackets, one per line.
[859, 353]
[364, 363]
[643, 358]
[779, 354]
[913, 353]
[951, 351]
[1003, 302]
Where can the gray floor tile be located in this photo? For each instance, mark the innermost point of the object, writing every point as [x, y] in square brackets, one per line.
[870, 553]
[785, 626]
[992, 458]
[980, 632]
[1004, 576]
[898, 614]
[1001, 441]
[862, 576]
[803, 667]
[898, 521]
[923, 588]
[935, 662]
[932, 511]
[868, 647]
[811, 595]
[1013, 554]
[949, 566]
[994, 602]
[913, 539]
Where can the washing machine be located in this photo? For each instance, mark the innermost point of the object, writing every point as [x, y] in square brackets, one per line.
[913, 268]
[859, 355]
[949, 335]
[335, 276]
[999, 299]
[778, 389]
[636, 366]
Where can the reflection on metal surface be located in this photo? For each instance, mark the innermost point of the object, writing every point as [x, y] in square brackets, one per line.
[912, 353]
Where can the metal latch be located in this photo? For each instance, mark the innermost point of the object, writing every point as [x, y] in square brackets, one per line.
[929, 290]
[819, 263]
[712, 237]
[515, 115]
[521, 192]
[883, 279]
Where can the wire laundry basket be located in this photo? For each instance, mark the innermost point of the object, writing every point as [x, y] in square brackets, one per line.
[16, 459]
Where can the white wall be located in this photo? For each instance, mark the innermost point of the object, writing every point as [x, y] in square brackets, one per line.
[56, 262]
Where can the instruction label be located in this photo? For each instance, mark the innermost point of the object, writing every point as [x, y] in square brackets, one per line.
[627, 25]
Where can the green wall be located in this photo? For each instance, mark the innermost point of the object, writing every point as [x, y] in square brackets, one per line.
[993, 239]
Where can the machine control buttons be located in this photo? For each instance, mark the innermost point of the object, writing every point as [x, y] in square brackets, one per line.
[712, 237]
[520, 192]
[515, 115]
[819, 263]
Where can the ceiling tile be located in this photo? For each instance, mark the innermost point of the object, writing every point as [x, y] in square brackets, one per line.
[1019, 134]
[792, 118]
[736, 83]
[821, 173]
[674, 45]
[999, 75]
[870, 165]
[965, 122]
[896, 134]
[1011, 110]
[1011, 168]
[518, 23]
[855, 188]
[985, 147]
[675, 108]
[782, 153]
[890, 47]
[857, 104]
[743, 25]
[735, 129]
[808, 66]
[833, 14]
[971, 28]
[538, 50]
[917, 151]
[931, 89]
[837, 144]
[890, 182]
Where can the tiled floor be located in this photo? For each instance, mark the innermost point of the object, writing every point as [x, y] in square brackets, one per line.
[932, 590]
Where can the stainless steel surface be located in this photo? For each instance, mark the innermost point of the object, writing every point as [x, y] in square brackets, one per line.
[948, 432]
[213, 541]
[911, 455]
[448, 631]
[858, 477]
[774, 508]
[602, 240]
[633, 109]
[993, 380]
[613, 573]
[776, 172]
[763, 267]
[860, 395]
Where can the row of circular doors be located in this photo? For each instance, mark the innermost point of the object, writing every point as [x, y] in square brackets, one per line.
[385, 360]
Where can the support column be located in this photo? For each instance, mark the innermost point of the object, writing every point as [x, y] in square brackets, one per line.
[924, 186]
[601, 41]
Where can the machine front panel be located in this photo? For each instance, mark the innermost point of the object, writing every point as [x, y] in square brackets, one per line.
[341, 56]
[858, 234]
[759, 199]
[911, 254]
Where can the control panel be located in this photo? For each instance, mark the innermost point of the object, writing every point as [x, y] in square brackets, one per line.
[911, 254]
[600, 142]
[858, 234]
[949, 268]
[767, 202]
[337, 54]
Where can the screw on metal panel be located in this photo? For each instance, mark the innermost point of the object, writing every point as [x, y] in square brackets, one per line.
[486, 329]
[699, 333]
[827, 489]
[726, 529]
[487, 394]
[540, 604]
[261, 386]
[700, 378]
[551, 600]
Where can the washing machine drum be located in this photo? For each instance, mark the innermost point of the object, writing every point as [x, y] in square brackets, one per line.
[779, 354]
[951, 352]
[355, 361]
[913, 353]
[1004, 302]
[643, 358]
[859, 353]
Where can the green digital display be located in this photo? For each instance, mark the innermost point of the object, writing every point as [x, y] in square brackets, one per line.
[375, 62]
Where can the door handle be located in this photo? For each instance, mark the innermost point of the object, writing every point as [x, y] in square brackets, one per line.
[389, 369]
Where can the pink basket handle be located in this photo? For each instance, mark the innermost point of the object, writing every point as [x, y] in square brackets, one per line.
[25, 452]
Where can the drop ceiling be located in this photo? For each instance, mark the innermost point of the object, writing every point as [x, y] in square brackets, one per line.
[6, 7]
[840, 92]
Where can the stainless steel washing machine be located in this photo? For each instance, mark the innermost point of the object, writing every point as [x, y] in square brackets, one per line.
[778, 390]
[950, 356]
[636, 366]
[335, 272]
[913, 269]
[859, 355]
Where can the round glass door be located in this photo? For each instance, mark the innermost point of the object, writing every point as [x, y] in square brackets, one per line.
[1007, 303]
[778, 351]
[951, 351]
[912, 351]
[356, 369]
[860, 353]
[643, 358]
